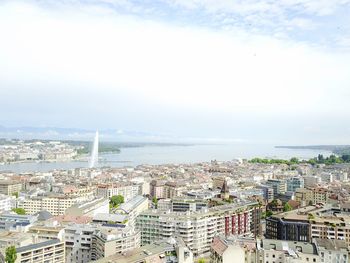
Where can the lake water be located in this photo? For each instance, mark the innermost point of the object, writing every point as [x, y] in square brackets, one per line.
[171, 154]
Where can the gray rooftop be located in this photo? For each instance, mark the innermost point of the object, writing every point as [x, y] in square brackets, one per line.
[38, 245]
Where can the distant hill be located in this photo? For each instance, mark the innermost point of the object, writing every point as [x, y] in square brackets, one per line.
[73, 134]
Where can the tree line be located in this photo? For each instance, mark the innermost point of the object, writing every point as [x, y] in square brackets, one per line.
[320, 159]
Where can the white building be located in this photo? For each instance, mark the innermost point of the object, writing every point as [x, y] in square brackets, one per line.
[89, 208]
[197, 229]
[78, 242]
[7, 203]
[128, 191]
[133, 208]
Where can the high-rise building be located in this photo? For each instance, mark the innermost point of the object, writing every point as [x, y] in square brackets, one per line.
[279, 186]
[197, 229]
[295, 183]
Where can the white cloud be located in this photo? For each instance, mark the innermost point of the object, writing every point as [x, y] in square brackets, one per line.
[82, 52]
[192, 67]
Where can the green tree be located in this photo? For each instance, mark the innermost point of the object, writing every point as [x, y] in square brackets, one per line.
[10, 254]
[312, 161]
[116, 200]
[155, 201]
[346, 158]
[274, 202]
[201, 260]
[19, 211]
[320, 158]
[268, 213]
[15, 194]
[294, 160]
[287, 207]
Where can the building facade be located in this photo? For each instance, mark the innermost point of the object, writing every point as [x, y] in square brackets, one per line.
[197, 229]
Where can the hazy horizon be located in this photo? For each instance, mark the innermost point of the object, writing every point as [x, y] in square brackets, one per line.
[231, 71]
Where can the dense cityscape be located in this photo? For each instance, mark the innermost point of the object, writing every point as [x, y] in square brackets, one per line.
[252, 210]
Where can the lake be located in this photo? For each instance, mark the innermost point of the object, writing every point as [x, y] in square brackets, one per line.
[133, 156]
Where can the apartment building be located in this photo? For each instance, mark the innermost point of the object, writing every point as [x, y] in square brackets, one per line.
[17, 239]
[268, 193]
[295, 183]
[48, 251]
[332, 250]
[162, 189]
[224, 250]
[9, 187]
[197, 229]
[278, 251]
[54, 204]
[311, 181]
[45, 232]
[279, 186]
[304, 196]
[310, 222]
[7, 202]
[312, 196]
[293, 225]
[173, 250]
[158, 189]
[320, 195]
[188, 204]
[78, 242]
[12, 221]
[128, 191]
[108, 241]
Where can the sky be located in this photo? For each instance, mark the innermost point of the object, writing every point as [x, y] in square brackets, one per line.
[247, 71]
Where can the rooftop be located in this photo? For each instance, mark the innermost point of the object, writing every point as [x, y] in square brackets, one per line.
[331, 244]
[137, 255]
[38, 245]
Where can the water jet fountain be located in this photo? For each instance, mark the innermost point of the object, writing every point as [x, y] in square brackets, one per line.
[94, 154]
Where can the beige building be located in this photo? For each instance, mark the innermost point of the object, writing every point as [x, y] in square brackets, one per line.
[110, 241]
[218, 182]
[43, 232]
[311, 196]
[8, 187]
[320, 195]
[17, 239]
[224, 252]
[49, 251]
[304, 196]
[158, 252]
[54, 204]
